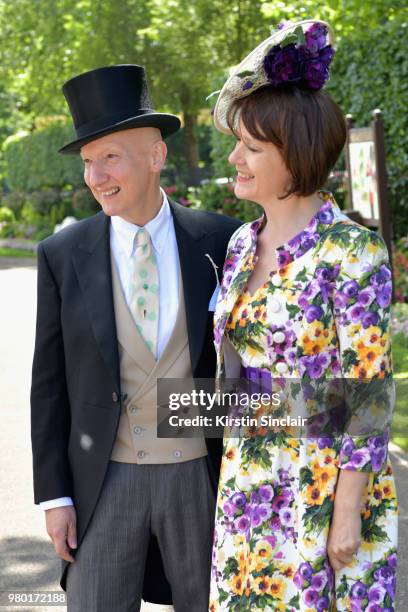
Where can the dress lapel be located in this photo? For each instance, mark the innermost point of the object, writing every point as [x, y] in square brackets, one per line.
[91, 260]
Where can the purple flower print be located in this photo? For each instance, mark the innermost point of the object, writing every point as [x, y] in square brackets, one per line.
[239, 500]
[359, 458]
[392, 560]
[350, 288]
[275, 523]
[308, 240]
[242, 523]
[356, 313]
[366, 296]
[315, 365]
[377, 458]
[265, 511]
[323, 604]
[305, 570]
[385, 576]
[229, 508]
[358, 590]
[299, 580]
[284, 258]
[383, 295]
[278, 502]
[327, 274]
[370, 318]
[340, 300]
[271, 540]
[325, 215]
[286, 516]
[313, 313]
[254, 498]
[347, 447]
[319, 581]
[310, 597]
[265, 492]
[325, 443]
[382, 276]
[256, 516]
[373, 607]
[376, 594]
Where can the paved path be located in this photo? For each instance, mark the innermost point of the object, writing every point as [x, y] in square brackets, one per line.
[27, 560]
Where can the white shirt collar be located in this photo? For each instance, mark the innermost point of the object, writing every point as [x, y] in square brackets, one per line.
[124, 232]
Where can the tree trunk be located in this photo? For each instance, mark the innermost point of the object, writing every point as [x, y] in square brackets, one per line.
[191, 148]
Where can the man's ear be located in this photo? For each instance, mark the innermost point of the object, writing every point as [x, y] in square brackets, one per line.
[159, 154]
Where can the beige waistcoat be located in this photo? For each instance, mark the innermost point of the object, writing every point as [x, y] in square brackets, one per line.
[136, 440]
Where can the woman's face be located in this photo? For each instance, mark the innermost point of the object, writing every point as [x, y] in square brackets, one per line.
[261, 172]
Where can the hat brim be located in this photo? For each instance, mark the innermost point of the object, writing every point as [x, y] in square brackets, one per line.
[167, 124]
[232, 87]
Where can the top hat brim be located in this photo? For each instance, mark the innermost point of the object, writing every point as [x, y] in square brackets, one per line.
[253, 63]
[166, 123]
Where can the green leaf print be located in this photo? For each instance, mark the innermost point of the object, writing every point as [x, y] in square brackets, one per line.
[231, 567]
[306, 477]
[349, 359]
[230, 484]
[302, 276]
[343, 588]
[292, 310]
[294, 602]
[317, 517]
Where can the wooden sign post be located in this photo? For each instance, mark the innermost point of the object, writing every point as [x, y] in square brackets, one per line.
[367, 177]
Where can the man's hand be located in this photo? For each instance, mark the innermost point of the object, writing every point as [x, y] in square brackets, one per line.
[61, 527]
[344, 536]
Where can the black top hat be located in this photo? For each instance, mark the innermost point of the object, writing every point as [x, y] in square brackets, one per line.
[110, 99]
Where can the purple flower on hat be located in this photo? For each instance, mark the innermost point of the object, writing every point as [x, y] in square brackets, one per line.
[283, 65]
[313, 313]
[247, 85]
[316, 37]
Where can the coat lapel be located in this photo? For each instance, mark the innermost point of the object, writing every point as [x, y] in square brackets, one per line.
[198, 277]
[91, 260]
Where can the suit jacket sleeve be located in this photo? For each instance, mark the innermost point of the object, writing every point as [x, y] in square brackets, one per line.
[50, 413]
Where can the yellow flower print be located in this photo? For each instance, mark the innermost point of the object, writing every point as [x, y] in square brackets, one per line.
[263, 553]
[262, 585]
[277, 588]
[315, 338]
[237, 584]
[314, 495]
[388, 489]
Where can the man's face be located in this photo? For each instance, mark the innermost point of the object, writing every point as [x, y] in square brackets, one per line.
[122, 170]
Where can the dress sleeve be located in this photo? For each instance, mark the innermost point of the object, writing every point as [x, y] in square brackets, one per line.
[361, 304]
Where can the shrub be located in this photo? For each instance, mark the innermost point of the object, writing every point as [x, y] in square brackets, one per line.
[83, 203]
[400, 269]
[6, 215]
[31, 160]
[220, 198]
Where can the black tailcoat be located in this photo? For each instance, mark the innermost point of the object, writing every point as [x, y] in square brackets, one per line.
[76, 378]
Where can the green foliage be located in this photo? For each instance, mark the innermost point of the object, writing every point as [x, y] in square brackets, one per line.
[370, 70]
[220, 198]
[31, 160]
[6, 215]
[83, 203]
[400, 269]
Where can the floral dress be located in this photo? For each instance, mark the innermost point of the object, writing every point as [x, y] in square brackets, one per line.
[325, 311]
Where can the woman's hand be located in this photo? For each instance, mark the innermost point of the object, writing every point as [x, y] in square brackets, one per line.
[344, 536]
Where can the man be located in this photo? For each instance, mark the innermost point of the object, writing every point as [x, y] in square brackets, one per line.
[123, 300]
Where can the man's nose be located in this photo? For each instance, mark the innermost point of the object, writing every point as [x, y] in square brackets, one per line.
[95, 175]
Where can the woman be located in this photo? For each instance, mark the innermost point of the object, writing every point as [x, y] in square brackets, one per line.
[303, 523]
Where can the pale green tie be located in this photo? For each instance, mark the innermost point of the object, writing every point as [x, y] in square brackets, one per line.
[144, 299]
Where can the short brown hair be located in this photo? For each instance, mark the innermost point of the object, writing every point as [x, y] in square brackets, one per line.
[306, 125]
